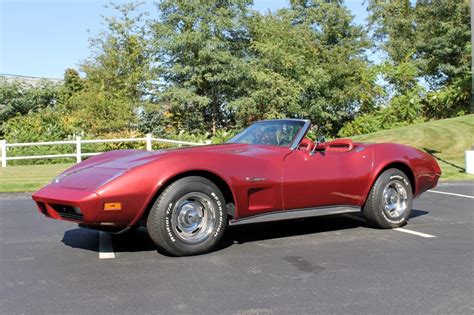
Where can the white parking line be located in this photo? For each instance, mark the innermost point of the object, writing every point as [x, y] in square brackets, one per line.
[414, 232]
[396, 229]
[106, 250]
[452, 194]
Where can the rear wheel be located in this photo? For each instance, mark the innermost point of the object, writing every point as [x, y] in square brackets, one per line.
[188, 218]
[390, 200]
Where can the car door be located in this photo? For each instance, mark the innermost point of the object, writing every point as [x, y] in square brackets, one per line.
[326, 178]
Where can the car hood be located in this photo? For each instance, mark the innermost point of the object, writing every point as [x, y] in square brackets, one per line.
[132, 158]
[103, 168]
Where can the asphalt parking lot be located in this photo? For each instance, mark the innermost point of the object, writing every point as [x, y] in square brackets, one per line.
[333, 264]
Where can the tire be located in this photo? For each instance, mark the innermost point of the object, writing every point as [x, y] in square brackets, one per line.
[390, 200]
[188, 218]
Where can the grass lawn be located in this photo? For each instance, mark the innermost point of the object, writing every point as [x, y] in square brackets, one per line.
[28, 177]
[445, 139]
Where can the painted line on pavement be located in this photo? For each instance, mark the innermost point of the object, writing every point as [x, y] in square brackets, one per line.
[106, 250]
[414, 232]
[396, 229]
[452, 194]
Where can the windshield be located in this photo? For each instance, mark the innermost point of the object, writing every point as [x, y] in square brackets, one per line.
[271, 132]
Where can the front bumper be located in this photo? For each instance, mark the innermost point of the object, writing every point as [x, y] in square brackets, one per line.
[86, 207]
[68, 204]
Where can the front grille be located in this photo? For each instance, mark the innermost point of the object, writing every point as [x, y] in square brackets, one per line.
[67, 212]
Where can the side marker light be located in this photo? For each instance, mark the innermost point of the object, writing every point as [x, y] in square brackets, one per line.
[112, 206]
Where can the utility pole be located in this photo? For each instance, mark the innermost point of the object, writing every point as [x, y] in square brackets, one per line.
[472, 57]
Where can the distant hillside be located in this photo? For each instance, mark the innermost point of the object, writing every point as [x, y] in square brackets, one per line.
[445, 139]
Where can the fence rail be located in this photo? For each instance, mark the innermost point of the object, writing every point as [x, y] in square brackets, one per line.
[78, 154]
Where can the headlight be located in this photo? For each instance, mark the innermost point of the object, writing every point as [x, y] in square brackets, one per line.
[58, 178]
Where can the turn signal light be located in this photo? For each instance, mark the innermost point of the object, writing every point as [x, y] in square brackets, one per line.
[112, 206]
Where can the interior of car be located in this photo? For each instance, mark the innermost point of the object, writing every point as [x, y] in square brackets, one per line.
[337, 145]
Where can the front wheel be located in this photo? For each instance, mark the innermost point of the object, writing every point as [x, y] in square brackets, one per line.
[188, 218]
[390, 200]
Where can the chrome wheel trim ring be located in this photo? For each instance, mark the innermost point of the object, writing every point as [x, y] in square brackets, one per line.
[394, 200]
[193, 218]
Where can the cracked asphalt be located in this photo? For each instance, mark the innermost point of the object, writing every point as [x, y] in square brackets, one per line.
[333, 264]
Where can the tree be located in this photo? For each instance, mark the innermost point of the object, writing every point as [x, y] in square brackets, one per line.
[443, 46]
[201, 48]
[118, 75]
[18, 98]
[427, 56]
[308, 61]
[72, 82]
[393, 26]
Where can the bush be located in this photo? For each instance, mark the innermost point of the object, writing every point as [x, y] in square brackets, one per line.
[18, 98]
[46, 124]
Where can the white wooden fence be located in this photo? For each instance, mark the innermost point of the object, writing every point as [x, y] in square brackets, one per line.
[78, 154]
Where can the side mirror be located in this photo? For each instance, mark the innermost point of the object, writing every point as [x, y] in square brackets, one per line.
[321, 140]
[320, 145]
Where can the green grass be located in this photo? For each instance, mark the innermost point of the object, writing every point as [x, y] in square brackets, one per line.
[28, 177]
[445, 139]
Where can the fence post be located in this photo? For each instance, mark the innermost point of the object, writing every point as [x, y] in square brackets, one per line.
[469, 154]
[78, 150]
[148, 142]
[3, 146]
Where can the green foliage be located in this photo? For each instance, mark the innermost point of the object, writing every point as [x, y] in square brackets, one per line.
[198, 70]
[121, 59]
[154, 122]
[72, 84]
[307, 61]
[118, 75]
[18, 98]
[363, 124]
[450, 101]
[222, 136]
[393, 26]
[99, 111]
[426, 71]
[201, 45]
[46, 124]
[403, 109]
[443, 39]
[433, 35]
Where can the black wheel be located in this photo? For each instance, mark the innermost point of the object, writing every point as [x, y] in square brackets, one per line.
[390, 200]
[188, 218]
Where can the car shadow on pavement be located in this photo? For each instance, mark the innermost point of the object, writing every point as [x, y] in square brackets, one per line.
[288, 228]
[279, 229]
[135, 240]
[417, 213]
[138, 240]
[82, 238]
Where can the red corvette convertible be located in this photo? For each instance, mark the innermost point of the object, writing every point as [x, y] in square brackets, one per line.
[270, 171]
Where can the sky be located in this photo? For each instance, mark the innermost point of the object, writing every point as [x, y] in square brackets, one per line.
[41, 38]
